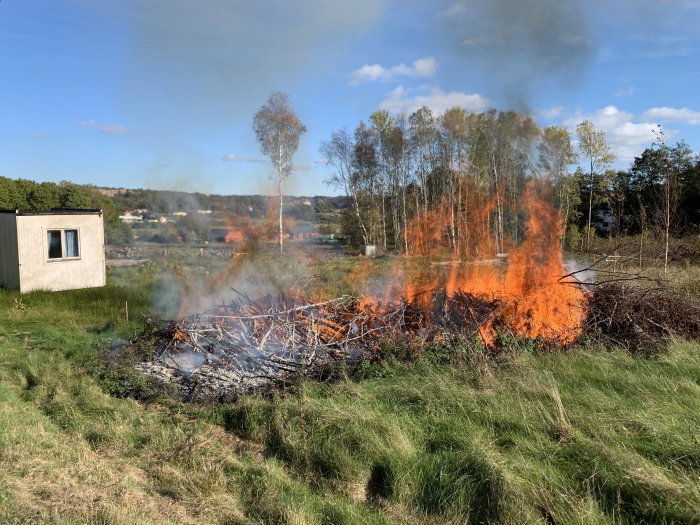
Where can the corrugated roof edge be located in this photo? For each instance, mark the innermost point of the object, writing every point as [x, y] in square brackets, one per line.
[58, 211]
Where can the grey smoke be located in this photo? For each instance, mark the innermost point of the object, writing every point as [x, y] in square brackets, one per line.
[211, 61]
[520, 42]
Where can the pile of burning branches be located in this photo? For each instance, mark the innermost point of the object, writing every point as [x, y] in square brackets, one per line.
[274, 341]
[640, 319]
[256, 345]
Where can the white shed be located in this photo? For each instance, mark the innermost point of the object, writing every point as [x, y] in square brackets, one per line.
[51, 250]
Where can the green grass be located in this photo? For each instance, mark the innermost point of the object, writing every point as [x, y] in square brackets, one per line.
[590, 436]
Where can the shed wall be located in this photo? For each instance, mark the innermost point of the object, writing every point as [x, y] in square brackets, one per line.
[38, 272]
[9, 262]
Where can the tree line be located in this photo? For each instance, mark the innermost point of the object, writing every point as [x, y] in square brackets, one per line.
[457, 179]
[22, 194]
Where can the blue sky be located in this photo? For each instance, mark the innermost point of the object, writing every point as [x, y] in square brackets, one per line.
[161, 94]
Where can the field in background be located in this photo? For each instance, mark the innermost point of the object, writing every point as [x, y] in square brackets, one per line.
[586, 436]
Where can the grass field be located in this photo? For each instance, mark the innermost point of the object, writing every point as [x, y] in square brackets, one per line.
[587, 436]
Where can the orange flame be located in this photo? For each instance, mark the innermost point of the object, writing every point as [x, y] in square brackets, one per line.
[234, 236]
[534, 304]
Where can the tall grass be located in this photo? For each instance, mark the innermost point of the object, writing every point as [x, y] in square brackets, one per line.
[586, 438]
[592, 436]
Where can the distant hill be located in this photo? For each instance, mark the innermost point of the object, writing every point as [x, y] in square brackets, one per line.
[255, 206]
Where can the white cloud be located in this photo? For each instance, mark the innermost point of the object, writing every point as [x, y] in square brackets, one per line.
[626, 137]
[86, 123]
[667, 114]
[625, 92]
[232, 157]
[421, 68]
[402, 100]
[551, 113]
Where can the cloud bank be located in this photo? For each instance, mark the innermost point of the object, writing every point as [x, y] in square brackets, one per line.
[404, 100]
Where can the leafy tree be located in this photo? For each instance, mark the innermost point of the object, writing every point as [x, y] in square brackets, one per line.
[44, 196]
[24, 189]
[278, 130]
[597, 152]
[10, 198]
[674, 161]
[192, 229]
[74, 196]
[556, 154]
[690, 194]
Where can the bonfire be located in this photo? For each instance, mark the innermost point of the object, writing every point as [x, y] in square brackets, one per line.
[255, 344]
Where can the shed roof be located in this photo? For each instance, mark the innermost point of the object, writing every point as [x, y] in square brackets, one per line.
[57, 211]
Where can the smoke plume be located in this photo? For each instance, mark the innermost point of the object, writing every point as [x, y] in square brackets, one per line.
[519, 42]
[209, 62]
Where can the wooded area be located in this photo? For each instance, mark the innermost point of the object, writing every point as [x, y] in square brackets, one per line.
[457, 179]
[22, 194]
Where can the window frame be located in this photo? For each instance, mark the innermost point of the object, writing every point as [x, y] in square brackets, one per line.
[64, 245]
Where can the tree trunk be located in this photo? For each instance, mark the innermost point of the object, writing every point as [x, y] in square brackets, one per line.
[642, 223]
[566, 220]
[590, 212]
[281, 207]
[499, 209]
[405, 216]
[383, 216]
[668, 218]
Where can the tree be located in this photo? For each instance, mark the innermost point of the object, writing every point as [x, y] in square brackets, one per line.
[596, 150]
[339, 154]
[365, 177]
[690, 194]
[556, 155]
[44, 196]
[674, 161]
[10, 198]
[74, 196]
[278, 130]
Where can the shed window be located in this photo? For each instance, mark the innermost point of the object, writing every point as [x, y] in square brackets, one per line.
[63, 244]
[72, 243]
[55, 250]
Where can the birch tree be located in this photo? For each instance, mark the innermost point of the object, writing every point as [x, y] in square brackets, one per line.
[556, 155]
[597, 152]
[339, 153]
[278, 131]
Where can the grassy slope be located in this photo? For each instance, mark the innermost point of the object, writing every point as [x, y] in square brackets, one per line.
[589, 437]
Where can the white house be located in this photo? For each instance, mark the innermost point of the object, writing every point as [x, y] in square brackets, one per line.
[51, 250]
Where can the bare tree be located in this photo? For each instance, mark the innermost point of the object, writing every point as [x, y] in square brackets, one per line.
[339, 153]
[278, 130]
[593, 147]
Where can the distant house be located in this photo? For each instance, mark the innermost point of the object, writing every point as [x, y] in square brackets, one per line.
[302, 233]
[130, 216]
[51, 250]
